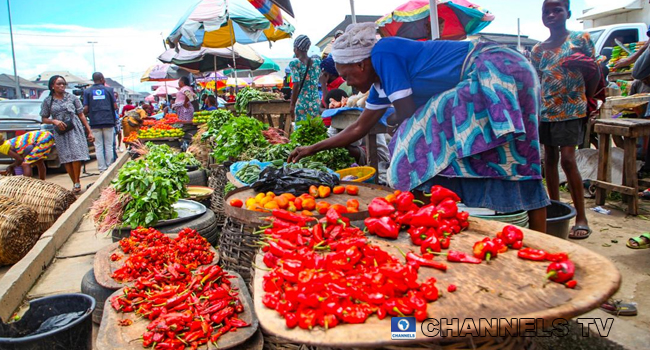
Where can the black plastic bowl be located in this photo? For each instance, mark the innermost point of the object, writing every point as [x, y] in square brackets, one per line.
[76, 335]
[558, 219]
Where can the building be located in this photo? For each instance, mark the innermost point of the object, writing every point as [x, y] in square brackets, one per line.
[121, 91]
[622, 11]
[70, 78]
[509, 40]
[27, 88]
[322, 43]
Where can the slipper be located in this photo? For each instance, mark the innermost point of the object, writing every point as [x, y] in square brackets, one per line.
[641, 243]
[580, 228]
[619, 308]
[77, 188]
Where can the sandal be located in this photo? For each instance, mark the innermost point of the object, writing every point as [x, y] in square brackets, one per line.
[580, 228]
[77, 188]
[619, 308]
[641, 243]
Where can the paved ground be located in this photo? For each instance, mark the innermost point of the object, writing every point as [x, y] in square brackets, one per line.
[75, 258]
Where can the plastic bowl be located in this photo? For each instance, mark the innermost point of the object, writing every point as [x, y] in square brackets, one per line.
[367, 173]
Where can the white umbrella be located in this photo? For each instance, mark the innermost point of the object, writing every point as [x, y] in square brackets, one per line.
[164, 91]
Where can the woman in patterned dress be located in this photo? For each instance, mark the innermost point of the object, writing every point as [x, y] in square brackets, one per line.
[72, 146]
[466, 117]
[305, 100]
[29, 149]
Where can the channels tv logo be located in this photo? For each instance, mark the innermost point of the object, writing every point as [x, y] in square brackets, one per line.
[402, 328]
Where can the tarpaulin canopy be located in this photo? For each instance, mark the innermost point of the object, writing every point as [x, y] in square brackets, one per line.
[207, 59]
[164, 72]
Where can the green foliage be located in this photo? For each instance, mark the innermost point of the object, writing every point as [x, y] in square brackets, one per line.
[248, 94]
[217, 120]
[311, 131]
[236, 136]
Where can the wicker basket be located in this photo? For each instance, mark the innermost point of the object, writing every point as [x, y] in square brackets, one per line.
[47, 199]
[237, 248]
[217, 181]
[199, 149]
[17, 234]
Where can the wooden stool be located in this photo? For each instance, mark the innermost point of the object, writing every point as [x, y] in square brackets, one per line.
[345, 119]
[630, 130]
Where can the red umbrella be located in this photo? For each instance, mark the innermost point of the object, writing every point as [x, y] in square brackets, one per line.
[457, 19]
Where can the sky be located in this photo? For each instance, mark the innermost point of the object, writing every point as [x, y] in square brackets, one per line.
[54, 35]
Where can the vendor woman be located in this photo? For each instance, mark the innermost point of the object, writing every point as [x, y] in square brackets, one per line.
[27, 150]
[466, 117]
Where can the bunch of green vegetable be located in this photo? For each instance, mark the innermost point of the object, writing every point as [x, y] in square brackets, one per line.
[249, 173]
[238, 135]
[217, 120]
[311, 131]
[248, 94]
[274, 152]
[308, 163]
[164, 155]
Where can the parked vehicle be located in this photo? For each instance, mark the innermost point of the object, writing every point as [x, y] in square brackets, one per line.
[604, 38]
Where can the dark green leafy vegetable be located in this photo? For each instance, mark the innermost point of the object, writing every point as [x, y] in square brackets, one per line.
[217, 120]
[236, 136]
[311, 131]
[229, 187]
[248, 94]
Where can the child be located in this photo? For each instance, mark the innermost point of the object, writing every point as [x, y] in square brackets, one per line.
[565, 91]
[28, 149]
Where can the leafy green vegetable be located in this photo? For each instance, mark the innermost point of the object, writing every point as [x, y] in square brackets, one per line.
[217, 120]
[236, 136]
[248, 94]
[229, 187]
[311, 131]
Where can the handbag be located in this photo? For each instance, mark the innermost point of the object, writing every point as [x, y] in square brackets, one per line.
[304, 76]
[66, 119]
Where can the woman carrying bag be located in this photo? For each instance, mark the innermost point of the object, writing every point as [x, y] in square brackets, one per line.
[65, 112]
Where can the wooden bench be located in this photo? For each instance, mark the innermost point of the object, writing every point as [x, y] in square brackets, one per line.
[629, 130]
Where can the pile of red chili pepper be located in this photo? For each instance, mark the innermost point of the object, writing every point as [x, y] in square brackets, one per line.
[149, 251]
[185, 309]
[330, 274]
[430, 226]
[560, 270]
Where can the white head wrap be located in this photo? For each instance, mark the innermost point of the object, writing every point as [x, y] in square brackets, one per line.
[355, 44]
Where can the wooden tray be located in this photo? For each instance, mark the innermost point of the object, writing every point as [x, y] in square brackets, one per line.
[113, 336]
[104, 267]
[508, 287]
[366, 194]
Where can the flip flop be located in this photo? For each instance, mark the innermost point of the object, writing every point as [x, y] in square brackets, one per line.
[619, 308]
[641, 243]
[580, 228]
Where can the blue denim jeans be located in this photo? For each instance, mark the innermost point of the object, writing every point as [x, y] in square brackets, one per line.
[104, 141]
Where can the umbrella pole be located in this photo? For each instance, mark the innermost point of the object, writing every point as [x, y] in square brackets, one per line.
[433, 13]
[352, 12]
[232, 48]
[215, 75]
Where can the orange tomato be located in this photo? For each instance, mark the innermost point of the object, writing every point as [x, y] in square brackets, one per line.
[313, 191]
[298, 203]
[270, 194]
[309, 204]
[307, 213]
[271, 205]
[290, 197]
[259, 197]
[236, 202]
[341, 209]
[265, 200]
[391, 198]
[338, 189]
[352, 210]
[352, 190]
[324, 191]
[250, 202]
[283, 202]
[352, 203]
[322, 207]
[292, 207]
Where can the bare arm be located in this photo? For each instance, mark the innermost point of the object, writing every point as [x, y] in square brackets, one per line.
[84, 121]
[404, 109]
[628, 61]
[18, 158]
[352, 133]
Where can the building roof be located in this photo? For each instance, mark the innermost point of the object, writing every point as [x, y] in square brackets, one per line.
[506, 39]
[612, 8]
[8, 81]
[346, 22]
[69, 77]
[113, 83]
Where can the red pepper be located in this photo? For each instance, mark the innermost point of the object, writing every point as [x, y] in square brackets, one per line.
[237, 323]
[306, 318]
[557, 257]
[439, 194]
[560, 272]
[404, 201]
[532, 254]
[421, 315]
[384, 227]
[512, 236]
[485, 249]
[455, 256]
[451, 288]
[380, 207]
[429, 290]
[291, 320]
[410, 256]
[329, 321]
[334, 218]
[431, 244]
[417, 234]
[445, 243]
[571, 284]
[447, 209]
[288, 216]
[426, 216]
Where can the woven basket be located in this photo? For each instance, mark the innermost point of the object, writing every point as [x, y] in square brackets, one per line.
[47, 199]
[199, 149]
[217, 181]
[17, 233]
[237, 248]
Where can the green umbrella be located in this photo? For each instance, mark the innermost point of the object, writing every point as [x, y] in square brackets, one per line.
[269, 66]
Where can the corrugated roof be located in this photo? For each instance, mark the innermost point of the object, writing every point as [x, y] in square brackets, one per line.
[69, 77]
[8, 81]
[615, 7]
[346, 22]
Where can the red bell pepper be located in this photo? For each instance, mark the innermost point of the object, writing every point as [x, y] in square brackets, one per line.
[532, 254]
[431, 244]
[447, 209]
[380, 207]
[485, 249]
[439, 194]
[405, 202]
[512, 236]
[560, 272]
[383, 227]
[426, 216]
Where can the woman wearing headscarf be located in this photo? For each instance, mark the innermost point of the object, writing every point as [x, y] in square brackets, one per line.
[71, 145]
[331, 80]
[305, 72]
[466, 117]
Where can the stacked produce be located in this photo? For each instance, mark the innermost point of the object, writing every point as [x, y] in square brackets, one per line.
[185, 307]
[619, 53]
[236, 136]
[144, 191]
[201, 117]
[217, 120]
[162, 128]
[306, 203]
[248, 94]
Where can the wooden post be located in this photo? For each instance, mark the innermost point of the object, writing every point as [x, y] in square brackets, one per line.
[630, 176]
[603, 166]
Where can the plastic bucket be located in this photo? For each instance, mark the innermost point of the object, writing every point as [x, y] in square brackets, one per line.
[558, 218]
[76, 334]
[518, 219]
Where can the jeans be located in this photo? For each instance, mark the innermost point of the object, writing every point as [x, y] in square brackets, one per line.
[104, 141]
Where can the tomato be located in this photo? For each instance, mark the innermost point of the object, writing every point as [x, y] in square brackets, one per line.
[236, 202]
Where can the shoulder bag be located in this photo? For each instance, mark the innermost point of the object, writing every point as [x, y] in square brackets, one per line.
[66, 119]
[304, 76]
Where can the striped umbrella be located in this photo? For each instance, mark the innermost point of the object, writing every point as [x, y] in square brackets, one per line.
[456, 20]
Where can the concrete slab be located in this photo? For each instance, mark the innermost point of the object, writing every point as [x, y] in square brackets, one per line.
[62, 276]
[84, 241]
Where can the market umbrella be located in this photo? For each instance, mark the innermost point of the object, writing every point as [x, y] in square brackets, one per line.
[150, 98]
[240, 83]
[268, 81]
[208, 59]
[270, 10]
[211, 23]
[269, 66]
[165, 90]
[164, 72]
[212, 76]
[457, 19]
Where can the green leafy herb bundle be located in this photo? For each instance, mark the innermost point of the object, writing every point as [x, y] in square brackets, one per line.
[237, 136]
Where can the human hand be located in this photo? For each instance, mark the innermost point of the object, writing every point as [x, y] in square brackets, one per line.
[299, 153]
[91, 138]
[622, 63]
[61, 125]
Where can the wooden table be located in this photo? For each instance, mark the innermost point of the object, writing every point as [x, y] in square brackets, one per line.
[508, 287]
[345, 119]
[607, 112]
[265, 110]
[614, 76]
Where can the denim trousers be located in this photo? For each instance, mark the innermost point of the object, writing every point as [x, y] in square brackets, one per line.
[104, 141]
